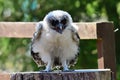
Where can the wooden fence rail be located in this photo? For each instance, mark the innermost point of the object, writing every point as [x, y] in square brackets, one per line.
[103, 32]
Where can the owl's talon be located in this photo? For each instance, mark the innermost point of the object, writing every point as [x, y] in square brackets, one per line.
[68, 70]
[45, 70]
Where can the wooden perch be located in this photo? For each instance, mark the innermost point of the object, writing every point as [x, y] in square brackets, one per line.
[102, 31]
[94, 74]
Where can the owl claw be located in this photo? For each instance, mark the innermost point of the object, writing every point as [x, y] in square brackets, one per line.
[68, 70]
[45, 70]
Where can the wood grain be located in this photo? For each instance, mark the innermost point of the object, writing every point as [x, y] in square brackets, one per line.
[17, 29]
[106, 47]
[90, 75]
[26, 29]
[4, 76]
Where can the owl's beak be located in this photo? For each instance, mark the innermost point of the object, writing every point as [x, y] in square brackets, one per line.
[60, 28]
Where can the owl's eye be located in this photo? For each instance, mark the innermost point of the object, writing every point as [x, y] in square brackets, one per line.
[64, 21]
[54, 22]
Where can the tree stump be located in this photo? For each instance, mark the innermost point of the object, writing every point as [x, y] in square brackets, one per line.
[95, 74]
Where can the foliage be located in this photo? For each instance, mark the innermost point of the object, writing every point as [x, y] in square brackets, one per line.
[14, 53]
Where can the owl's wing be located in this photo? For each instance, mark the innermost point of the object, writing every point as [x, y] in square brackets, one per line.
[76, 39]
[38, 31]
[36, 37]
[75, 36]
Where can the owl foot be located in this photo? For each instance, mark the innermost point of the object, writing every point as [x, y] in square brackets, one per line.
[69, 70]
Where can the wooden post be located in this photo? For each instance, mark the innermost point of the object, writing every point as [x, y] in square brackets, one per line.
[106, 47]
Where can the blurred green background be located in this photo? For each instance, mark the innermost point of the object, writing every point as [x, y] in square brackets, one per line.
[14, 53]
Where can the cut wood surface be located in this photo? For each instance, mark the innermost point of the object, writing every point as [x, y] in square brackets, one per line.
[94, 74]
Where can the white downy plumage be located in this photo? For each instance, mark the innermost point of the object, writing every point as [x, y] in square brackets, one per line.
[55, 41]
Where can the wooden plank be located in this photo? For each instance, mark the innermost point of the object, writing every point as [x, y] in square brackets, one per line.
[106, 47]
[100, 54]
[87, 30]
[26, 29]
[17, 29]
[4, 76]
[87, 74]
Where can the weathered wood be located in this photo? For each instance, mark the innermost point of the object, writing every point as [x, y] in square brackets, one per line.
[4, 76]
[17, 29]
[94, 74]
[26, 30]
[87, 30]
[102, 31]
[106, 47]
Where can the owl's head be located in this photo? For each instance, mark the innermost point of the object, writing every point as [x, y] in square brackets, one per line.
[58, 20]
